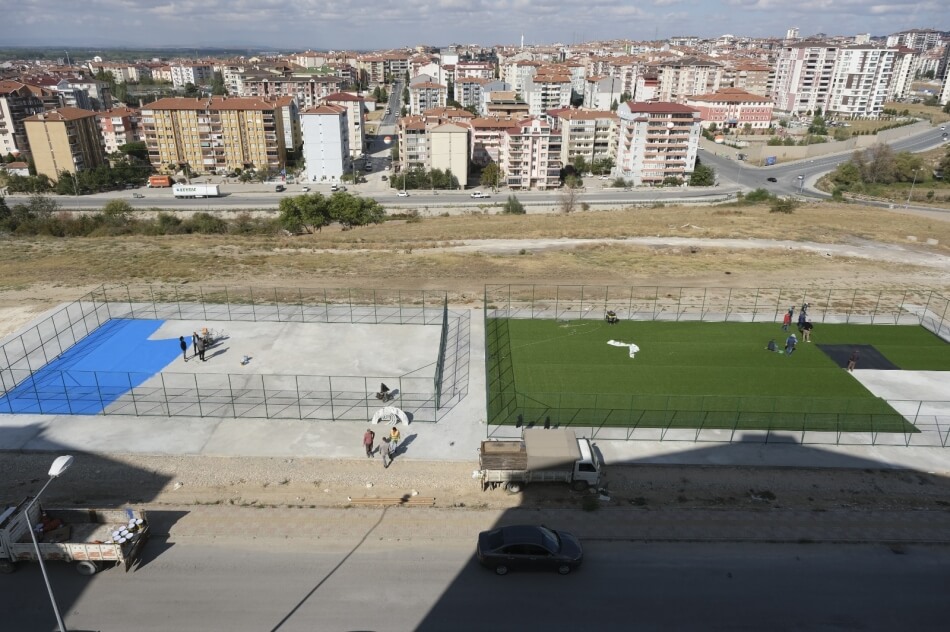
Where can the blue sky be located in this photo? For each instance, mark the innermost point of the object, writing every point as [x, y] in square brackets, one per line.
[375, 24]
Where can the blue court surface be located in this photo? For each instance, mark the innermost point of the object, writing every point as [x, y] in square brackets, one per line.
[98, 370]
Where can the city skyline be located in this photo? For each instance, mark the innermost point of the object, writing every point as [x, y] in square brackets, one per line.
[381, 24]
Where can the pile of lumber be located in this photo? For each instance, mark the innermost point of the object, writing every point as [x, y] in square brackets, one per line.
[398, 501]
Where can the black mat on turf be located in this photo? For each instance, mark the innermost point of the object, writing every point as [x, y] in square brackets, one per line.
[870, 358]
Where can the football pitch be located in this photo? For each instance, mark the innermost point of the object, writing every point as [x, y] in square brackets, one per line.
[698, 374]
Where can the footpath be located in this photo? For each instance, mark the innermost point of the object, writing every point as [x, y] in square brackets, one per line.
[605, 524]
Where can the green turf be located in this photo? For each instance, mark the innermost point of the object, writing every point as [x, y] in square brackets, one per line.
[694, 375]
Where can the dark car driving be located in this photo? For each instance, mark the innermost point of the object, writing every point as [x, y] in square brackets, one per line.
[529, 548]
[772, 179]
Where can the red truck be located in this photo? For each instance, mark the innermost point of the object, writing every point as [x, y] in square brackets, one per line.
[155, 182]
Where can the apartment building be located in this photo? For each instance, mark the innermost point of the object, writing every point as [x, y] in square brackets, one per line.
[530, 156]
[66, 139]
[355, 117]
[504, 103]
[471, 91]
[487, 134]
[413, 143]
[426, 95]
[118, 127]
[905, 69]
[517, 73]
[474, 69]
[326, 146]
[378, 69]
[656, 141]
[195, 74]
[753, 78]
[686, 77]
[732, 108]
[308, 89]
[804, 74]
[18, 102]
[600, 93]
[548, 89]
[860, 81]
[449, 149]
[918, 39]
[587, 134]
[216, 134]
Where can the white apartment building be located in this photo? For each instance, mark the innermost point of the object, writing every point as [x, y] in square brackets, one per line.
[918, 39]
[326, 148]
[600, 93]
[803, 77]
[426, 95]
[656, 141]
[487, 136]
[355, 117]
[530, 156]
[686, 77]
[547, 91]
[195, 74]
[587, 134]
[475, 69]
[517, 73]
[860, 81]
[905, 69]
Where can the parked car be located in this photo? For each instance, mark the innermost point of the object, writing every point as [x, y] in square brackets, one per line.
[525, 547]
[305, 189]
[137, 195]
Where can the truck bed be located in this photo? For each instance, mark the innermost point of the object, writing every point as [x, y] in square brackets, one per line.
[503, 455]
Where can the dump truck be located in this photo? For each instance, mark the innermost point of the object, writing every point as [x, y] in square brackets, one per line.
[195, 190]
[156, 182]
[92, 538]
[543, 455]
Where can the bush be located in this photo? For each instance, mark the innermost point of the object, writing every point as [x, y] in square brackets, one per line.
[513, 206]
[205, 224]
[783, 205]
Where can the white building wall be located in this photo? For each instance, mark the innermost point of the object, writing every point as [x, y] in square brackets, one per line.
[325, 146]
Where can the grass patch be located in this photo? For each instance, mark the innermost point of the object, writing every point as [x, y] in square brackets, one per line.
[693, 375]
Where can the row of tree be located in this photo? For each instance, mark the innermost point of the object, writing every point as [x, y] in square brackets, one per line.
[419, 178]
[880, 165]
[311, 212]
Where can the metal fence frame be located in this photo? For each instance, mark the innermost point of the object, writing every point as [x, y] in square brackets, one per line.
[331, 397]
[926, 308]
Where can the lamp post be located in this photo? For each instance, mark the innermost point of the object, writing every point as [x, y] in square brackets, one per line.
[911, 192]
[60, 465]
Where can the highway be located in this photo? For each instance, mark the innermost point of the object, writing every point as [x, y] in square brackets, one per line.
[392, 582]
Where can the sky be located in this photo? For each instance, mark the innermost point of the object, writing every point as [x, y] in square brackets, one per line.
[378, 24]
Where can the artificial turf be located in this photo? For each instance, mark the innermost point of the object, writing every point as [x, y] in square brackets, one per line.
[694, 375]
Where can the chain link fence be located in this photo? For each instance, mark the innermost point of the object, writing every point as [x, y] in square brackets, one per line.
[710, 417]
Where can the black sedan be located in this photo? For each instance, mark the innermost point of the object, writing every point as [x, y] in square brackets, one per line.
[772, 179]
[529, 548]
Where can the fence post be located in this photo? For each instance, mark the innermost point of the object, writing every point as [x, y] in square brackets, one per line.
[557, 299]
[102, 404]
[198, 396]
[128, 293]
[253, 307]
[204, 306]
[168, 405]
[303, 317]
[277, 304]
[332, 408]
[227, 301]
[135, 405]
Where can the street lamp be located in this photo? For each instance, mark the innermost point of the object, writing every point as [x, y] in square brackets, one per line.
[60, 465]
[911, 192]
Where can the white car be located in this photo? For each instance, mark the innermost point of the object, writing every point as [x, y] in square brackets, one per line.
[479, 195]
[403, 194]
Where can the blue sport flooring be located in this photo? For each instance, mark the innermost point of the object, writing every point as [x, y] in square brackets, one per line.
[98, 370]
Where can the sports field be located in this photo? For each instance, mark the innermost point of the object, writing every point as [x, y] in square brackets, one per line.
[698, 375]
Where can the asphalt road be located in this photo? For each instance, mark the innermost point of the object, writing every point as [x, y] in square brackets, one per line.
[391, 583]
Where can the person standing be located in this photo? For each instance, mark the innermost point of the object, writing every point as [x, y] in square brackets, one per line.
[201, 349]
[802, 319]
[787, 320]
[194, 343]
[394, 437]
[368, 438]
[806, 331]
[853, 360]
[184, 347]
[384, 451]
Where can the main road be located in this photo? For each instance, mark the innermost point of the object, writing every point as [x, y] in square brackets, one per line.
[392, 582]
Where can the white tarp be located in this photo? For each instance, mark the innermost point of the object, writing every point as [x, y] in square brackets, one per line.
[390, 415]
[633, 348]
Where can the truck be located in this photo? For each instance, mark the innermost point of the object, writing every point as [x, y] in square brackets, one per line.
[195, 190]
[156, 182]
[542, 455]
[92, 538]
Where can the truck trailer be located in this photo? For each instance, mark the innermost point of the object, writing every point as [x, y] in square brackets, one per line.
[196, 190]
[92, 538]
[155, 182]
[541, 456]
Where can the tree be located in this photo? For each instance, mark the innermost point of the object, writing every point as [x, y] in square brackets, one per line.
[136, 149]
[513, 206]
[568, 199]
[702, 176]
[818, 125]
[191, 90]
[307, 213]
[580, 164]
[602, 166]
[405, 95]
[614, 105]
[217, 84]
[491, 175]
[783, 205]
[117, 213]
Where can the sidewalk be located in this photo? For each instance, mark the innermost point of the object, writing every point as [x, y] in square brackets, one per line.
[606, 524]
